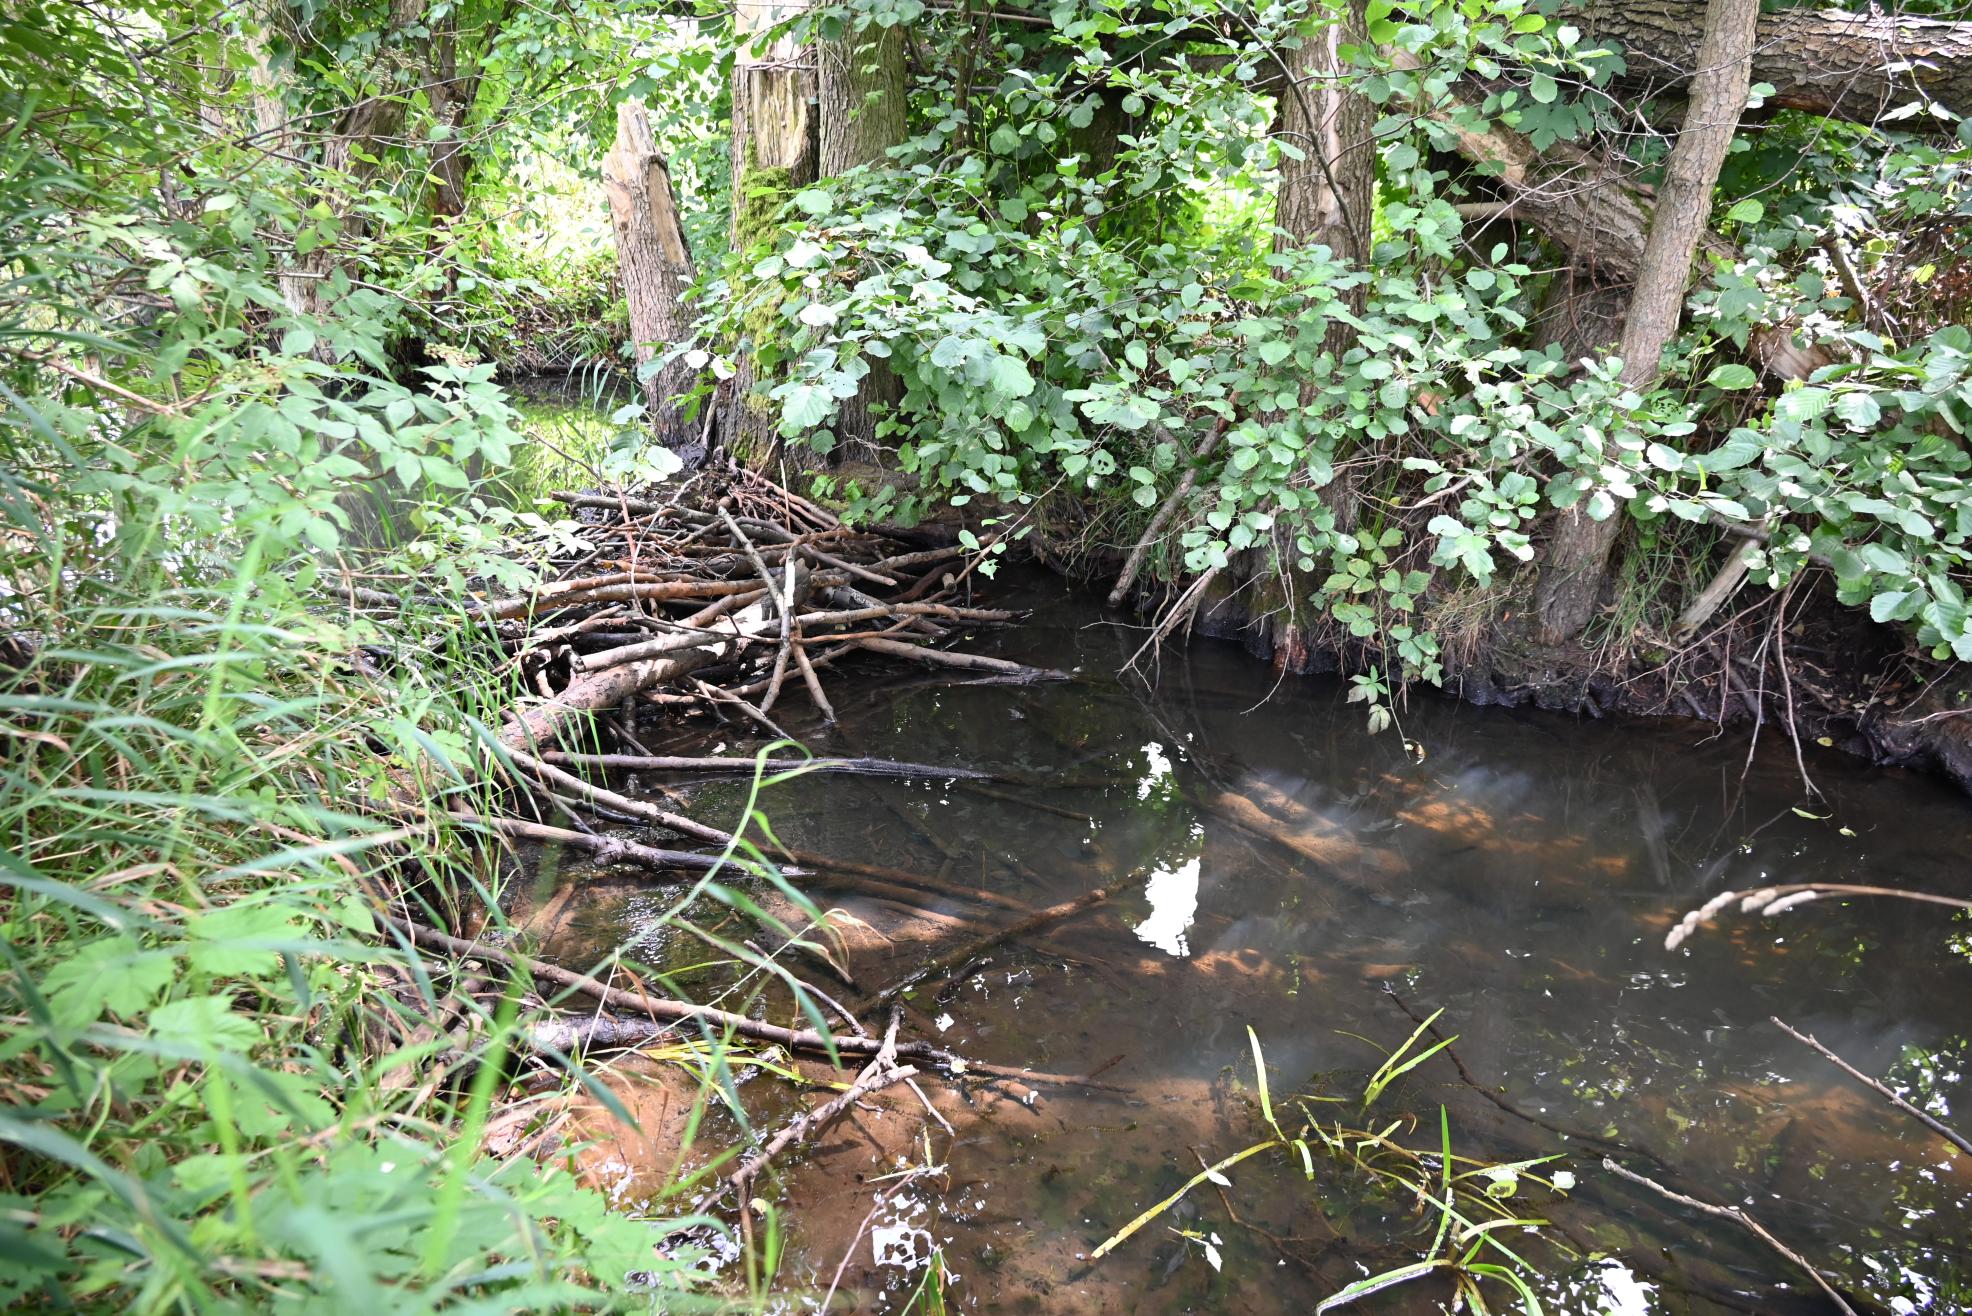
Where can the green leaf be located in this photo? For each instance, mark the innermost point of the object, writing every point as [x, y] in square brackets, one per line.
[224, 938]
[806, 406]
[1733, 376]
[1748, 211]
[1009, 376]
[205, 1021]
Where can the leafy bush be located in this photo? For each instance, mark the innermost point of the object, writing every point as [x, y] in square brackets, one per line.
[1040, 350]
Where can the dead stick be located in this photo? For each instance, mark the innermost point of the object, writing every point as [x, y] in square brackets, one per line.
[970, 661]
[787, 643]
[1040, 918]
[623, 803]
[1739, 1218]
[882, 1071]
[1942, 1130]
[1135, 561]
[606, 849]
[814, 683]
[858, 767]
[720, 696]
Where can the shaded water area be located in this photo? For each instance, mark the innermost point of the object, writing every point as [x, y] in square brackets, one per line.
[1518, 870]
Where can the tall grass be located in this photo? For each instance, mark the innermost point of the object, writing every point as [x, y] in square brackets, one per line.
[223, 1085]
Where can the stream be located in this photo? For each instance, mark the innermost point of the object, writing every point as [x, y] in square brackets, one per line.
[1284, 871]
[1517, 870]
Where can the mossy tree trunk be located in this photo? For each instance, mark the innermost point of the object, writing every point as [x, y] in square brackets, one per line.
[861, 115]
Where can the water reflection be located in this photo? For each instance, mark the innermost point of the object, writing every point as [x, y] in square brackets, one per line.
[1173, 897]
[1521, 877]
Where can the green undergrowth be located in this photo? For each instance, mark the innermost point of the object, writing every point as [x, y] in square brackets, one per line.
[217, 1092]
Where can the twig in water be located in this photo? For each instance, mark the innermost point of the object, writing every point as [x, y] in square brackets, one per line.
[1739, 1218]
[1944, 1131]
[882, 1071]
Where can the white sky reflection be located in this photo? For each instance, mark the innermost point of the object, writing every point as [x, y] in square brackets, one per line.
[1173, 896]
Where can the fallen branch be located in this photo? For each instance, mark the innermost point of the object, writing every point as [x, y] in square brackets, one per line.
[969, 661]
[684, 826]
[857, 767]
[1739, 1218]
[882, 1071]
[961, 955]
[1944, 1131]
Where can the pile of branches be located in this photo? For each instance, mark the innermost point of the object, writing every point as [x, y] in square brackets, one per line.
[725, 592]
[728, 593]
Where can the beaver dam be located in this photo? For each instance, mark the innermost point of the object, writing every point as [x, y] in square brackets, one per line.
[1181, 993]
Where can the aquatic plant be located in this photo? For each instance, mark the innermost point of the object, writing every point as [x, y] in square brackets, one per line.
[1469, 1197]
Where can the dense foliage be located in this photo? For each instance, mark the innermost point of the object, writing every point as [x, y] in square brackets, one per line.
[261, 267]
[1062, 330]
[217, 1096]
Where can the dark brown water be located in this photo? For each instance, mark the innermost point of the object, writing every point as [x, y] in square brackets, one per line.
[1518, 871]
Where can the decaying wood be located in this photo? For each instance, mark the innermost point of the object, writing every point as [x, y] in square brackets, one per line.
[655, 265]
[774, 154]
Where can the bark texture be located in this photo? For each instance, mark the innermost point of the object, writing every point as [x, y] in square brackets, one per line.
[1326, 196]
[774, 153]
[1846, 65]
[861, 104]
[1578, 553]
[654, 263]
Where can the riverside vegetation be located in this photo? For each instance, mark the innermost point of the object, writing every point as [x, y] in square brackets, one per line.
[1614, 357]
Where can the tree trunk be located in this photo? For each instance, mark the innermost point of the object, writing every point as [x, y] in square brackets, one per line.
[1579, 551]
[774, 153]
[656, 268]
[1825, 61]
[1327, 196]
[451, 96]
[860, 117]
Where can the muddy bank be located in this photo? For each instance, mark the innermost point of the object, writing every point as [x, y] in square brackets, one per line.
[1794, 666]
